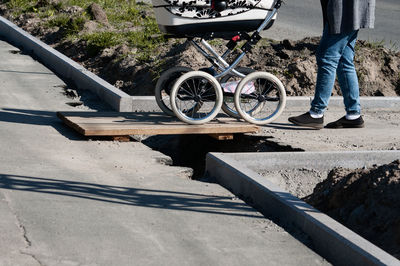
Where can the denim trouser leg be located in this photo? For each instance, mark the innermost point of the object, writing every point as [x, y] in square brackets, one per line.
[335, 54]
[348, 80]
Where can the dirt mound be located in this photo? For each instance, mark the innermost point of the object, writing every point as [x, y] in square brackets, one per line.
[292, 61]
[364, 200]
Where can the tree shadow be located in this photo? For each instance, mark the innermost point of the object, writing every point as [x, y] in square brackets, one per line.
[160, 199]
[40, 118]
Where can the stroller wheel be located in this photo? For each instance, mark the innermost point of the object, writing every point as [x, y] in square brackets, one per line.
[196, 97]
[228, 104]
[164, 86]
[260, 98]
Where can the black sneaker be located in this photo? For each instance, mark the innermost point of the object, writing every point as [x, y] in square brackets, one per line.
[306, 120]
[345, 123]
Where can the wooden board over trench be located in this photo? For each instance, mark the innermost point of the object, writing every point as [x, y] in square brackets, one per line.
[125, 124]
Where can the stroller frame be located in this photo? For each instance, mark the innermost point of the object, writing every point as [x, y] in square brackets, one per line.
[219, 61]
[219, 71]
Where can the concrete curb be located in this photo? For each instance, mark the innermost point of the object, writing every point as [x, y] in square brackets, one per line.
[71, 71]
[65, 67]
[333, 241]
[315, 160]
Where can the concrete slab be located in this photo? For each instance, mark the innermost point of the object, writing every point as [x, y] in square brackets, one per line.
[381, 132]
[239, 173]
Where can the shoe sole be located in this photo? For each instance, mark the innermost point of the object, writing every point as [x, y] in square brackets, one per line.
[312, 125]
[347, 126]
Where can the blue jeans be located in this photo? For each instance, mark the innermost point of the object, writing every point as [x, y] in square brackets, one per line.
[335, 55]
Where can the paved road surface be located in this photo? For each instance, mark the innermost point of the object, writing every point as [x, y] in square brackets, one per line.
[299, 19]
[68, 201]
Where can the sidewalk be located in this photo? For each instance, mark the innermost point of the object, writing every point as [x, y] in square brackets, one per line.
[68, 201]
[381, 132]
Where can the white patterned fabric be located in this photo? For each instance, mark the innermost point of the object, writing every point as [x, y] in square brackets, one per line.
[202, 8]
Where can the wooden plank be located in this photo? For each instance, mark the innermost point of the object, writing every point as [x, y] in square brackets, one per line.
[123, 124]
[222, 136]
[122, 138]
[71, 124]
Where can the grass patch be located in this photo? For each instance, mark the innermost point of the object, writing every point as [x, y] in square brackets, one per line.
[69, 25]
[376, 44]
[142, 32]
[19, 4]
[98, 41]
[145, 36]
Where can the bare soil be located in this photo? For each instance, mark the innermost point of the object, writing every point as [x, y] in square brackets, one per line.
[292, 61]
[298, 182]
[364, 200]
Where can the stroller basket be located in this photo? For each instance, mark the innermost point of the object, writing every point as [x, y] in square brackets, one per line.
[196, 17]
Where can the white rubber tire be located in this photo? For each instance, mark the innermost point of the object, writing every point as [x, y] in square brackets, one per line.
[162, 82]
[282, 98]
[217, 105]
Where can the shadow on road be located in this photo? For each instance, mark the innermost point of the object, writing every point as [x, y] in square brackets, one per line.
[40, 118]
[162, 199]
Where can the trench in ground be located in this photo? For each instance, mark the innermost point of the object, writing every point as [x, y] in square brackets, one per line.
[191, 150]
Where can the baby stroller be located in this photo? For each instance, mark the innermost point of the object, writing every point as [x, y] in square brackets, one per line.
[196, 97]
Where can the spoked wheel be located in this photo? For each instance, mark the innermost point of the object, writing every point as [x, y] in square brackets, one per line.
[164, 87]
[260, 98]
[196, 97]
[231, 82]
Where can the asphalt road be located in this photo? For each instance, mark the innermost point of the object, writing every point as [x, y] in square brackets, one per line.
[299, 19]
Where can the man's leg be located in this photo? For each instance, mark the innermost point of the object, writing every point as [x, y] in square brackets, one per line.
[348, 81]
[329, 53]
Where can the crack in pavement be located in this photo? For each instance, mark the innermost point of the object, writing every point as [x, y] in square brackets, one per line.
[32, 256]
[22, 229]
[24, 234]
